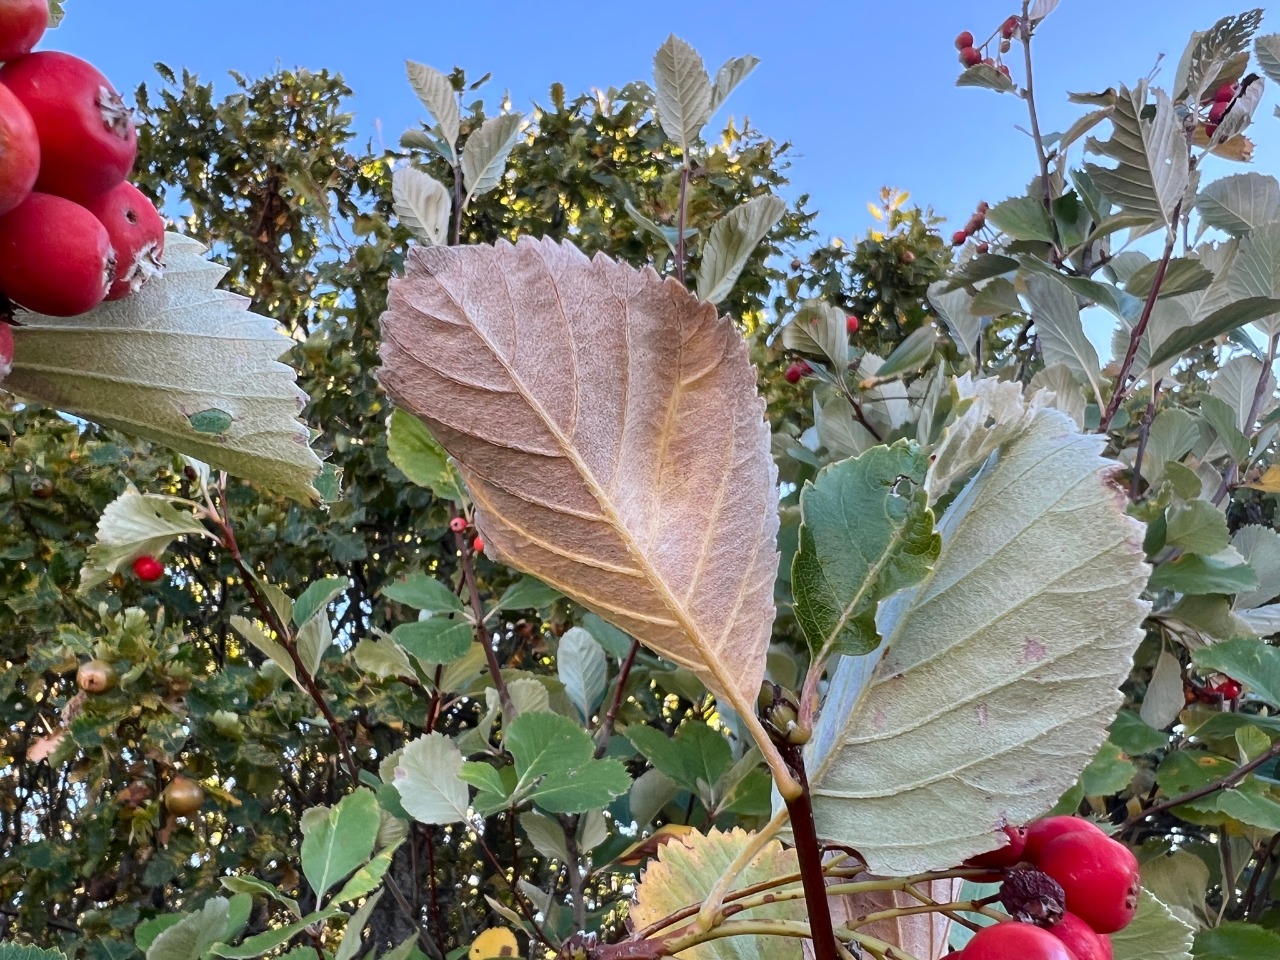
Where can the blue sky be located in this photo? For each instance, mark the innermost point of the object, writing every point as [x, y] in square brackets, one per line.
[863, 89]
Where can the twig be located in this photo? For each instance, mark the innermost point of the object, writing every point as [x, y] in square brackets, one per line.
[1135, 482]
[684, 190]
[805, 834]
[1222, 783]
[1030, 97]
[477, 610]
[605, 732]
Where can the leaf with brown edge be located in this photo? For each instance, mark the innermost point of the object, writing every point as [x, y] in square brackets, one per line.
[608, 428]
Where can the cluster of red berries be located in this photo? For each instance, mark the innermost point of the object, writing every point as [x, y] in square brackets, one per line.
[1222, 98]
[975, 225]
[1067, 884]
[971, 56]
[802, 368]
[73, 232]
[1213, 692]
[459, 525]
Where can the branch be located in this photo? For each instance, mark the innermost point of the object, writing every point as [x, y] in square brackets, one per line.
[1143, 435]
[1222, 783]
[805, 833]
[477, 610]
[1024, 29]
[605, 732]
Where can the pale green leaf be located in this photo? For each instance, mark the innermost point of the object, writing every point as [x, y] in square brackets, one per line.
[133, 525]
[1164, 698]
[436, 93]
[1061, 332]
[953, 307]
[1237, 383]
[1007, 652]
[1267, 50]
[1182, 275]
[867, 532]
[819, 329]
[317, 597]
[422, 203]
[484, 158]
[252, 886]
[1022, 218]
[1066, 390]
[731, 73]
[382, 657]
[1239, 203]
[987, 77]
[1255, 271]
[1260, 546]
[1154, 934]
[314, 638]
[427, 778]
[435, 640]
[1222, 418]
[25, 951]
[1173, 433]
[251, 632]
[1216, 55]
[423, 592]
[546, 834]
[683, 89]
[583, 669]
[366, 878]
[556, 766]
[181, 363]
[353, 933]
[1180, 881]
[335, 845]
[915, 350]
[1197, 574]
[192, 936]
[412, 448]
[734, 237]
[268, 940]
[1198, 527]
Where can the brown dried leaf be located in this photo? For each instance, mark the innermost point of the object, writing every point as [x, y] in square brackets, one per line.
[607, 426]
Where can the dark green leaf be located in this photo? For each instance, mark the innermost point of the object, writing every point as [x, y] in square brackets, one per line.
[422, 592]
[1254, 663]
[436, 639]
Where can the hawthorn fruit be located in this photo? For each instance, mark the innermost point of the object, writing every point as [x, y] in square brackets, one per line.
[1227, 689]
[851, 322]
[96, 676]
[1081, 939]
[964, 39]
[457, 524]
[1218, 111]
[88, 140]
[55, 257]
[1225, 93]
[1015, 842]
[797, 371]
[183, 796]
[6, 349]
[19, 151]
[970, 57]
[1009, 28]
[1014, 941]
[959, 237]
[136, 230]
[477, 545]
[1041, 832]
[1098, 875]
[148, 569]
[22, 24]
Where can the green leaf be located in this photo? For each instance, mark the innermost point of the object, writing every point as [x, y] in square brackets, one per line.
[1223, 320]
[353, 933]
[181, 363]
[554, 759]
[819, 329]
[1253, 662]
[339, 842]
[683, 92]
[1260, 546]
[24, 951]
[1108, 773]
[1241, 202]
[1195, 574]
[192, 936]
[144, 934]
[731, 73]
[1022, 218]
[317, 597]
[1152, 172]
[268, 940]
[867, 532]
[381, 656]
[493, 794]
[583, 668]
[422, 203]
[734, 237]
[546, 835]
[415, 452]
[133, 525]
[940, 725]
[1223, 419]
[1183, 275]
[696, 758]
[251, 632]
[1135, 737]
[484, 158]
[435, 640]
[436, 93]
[1061, 333]
[953, 306]
[909, 355]
[1235, 940]
[366, 878]
[421, 592]
[668, 235]
[987, 77]
[427, 778]
[1154, 934]
[528, 593]
[1198, 527]
[1164, 698]
[252, 885]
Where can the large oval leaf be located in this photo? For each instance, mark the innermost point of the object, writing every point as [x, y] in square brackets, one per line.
[608, 428]
[999, 674]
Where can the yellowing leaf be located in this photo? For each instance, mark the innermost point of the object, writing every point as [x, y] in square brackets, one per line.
[874, 211]
[494, 942]
[1269, 482]
[597, 413]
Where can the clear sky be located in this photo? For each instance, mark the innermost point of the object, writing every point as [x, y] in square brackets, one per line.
[864, 89]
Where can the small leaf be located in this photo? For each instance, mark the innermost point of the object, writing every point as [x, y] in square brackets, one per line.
[412, 448]
[733, 239]
[907, 357]
[422, 203]
[192, 936]
[340, 842]
[1253, 662]
[435, 640]
[1198, 527]
[134, 525]
[1196, 574]
[1164, 699]
[528, 593]
[382, 657]
[421, 592]
[427, 779]
[317, 597]
[436, 93]
[987, 77]
[583, 669]
[1022, 218]
[683, 89]
[366, 878]
[819, 329]
[484, 158]
[554, 759]
[251, 632]
[696, 758]
[732, 73]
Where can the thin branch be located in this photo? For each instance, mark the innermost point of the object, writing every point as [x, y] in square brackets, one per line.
[1135, 482]
[477, 610]
[1030, 97]
[605, 732]
[1222, 783]
[680, 246]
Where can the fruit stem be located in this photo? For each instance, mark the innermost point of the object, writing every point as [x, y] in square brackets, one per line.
[1024, 33]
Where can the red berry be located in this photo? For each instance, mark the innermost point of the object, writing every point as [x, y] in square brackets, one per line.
[148, 569]
[851, 324]
[970, 57]
[1041, 832]
[1003, 68]
[1210, 129]
[1015, 941]
[1009, 28]
[477, 545]
[457, 524]
[797, 371]
[136, 230]
[958, 238]
[1225, 93]
[22, 24]
[1227, 689]
[982, 247]
[19, 150]
[55, 257]
[1080, 938]
[964, 39]
[6, 350]
[87, 138]
[1015, 841]
[1098, 875]
[1218, 111]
